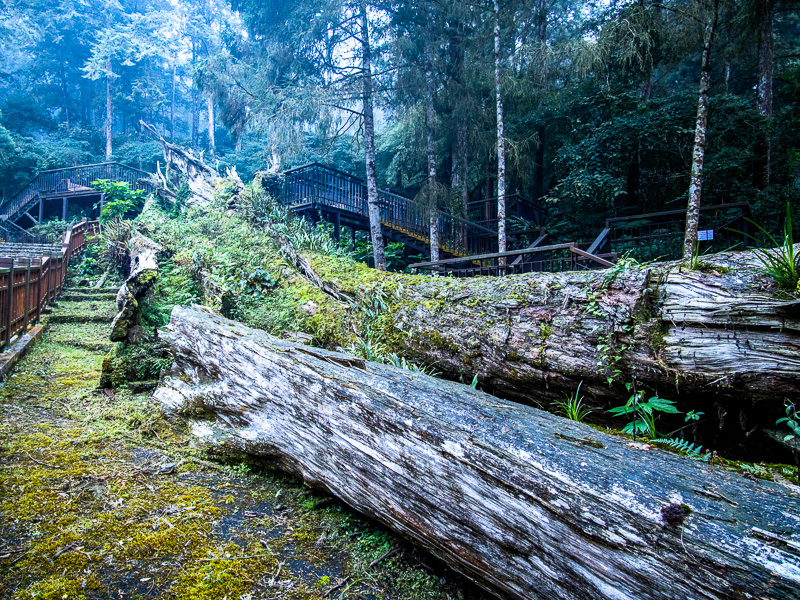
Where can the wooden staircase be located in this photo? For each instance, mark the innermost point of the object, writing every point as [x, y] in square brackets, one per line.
[341, 198]
[69, 181]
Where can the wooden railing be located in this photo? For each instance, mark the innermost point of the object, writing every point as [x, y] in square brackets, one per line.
[659, 236]
[553, 259]
[61, 180]
[317, 184]
[28, 285]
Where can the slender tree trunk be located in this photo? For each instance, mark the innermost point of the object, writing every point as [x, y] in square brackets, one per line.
[195, 102]
[541, 34]
[212, 144]
[459, 160]
[699, 153]
[238, 147]
[430, 117]
[763, 145]
[172, 104]
[501, 141]
[65, 95]
[373, 204]
[109, 124]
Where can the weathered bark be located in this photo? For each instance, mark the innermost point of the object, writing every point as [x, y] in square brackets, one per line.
[699, 152]
[138, 285]
[373, 202]
[526, 504]
[195, 100]
[501, 140]
[199, 177]
[719, 336]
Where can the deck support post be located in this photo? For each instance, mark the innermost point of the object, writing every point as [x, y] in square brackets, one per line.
[64, 203]
[41, 209]
[337, 226]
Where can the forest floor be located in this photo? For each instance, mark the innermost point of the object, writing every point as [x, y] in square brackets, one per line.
[101, 498]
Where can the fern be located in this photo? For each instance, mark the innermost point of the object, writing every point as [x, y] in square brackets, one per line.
[684, 446]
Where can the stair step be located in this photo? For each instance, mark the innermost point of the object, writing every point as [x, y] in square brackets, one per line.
[81, 318]
[100, 296]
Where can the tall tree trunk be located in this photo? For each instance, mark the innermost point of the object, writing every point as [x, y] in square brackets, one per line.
[459, 159]
[763, 145]
[195, 102]
[109, 124]
[430, 117]
[64, 95]
[501, 141]
[373, 205]
[212, 144]
[238, 147]
[172, 104]
[699, 153]
[541, 35]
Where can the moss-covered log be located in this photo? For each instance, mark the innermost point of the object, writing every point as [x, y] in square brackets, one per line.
[527, 504]
[722, 339]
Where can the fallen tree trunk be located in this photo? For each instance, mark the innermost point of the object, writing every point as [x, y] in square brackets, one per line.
[526, 504]
[723, 340]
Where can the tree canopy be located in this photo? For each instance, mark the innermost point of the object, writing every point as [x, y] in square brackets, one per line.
[599, 99]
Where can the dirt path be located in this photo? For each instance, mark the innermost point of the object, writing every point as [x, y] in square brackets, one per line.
[99, 498]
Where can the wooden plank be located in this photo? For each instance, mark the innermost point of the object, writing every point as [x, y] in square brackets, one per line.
[494, 255]
[600, 261]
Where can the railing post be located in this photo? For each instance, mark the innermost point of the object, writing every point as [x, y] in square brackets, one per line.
[10, 313]
[39, 290]
[51, 297]
[27, 297]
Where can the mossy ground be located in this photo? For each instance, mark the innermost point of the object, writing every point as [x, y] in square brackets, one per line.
[101, 498]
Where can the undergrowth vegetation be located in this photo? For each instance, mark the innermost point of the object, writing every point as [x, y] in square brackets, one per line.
[227, 256]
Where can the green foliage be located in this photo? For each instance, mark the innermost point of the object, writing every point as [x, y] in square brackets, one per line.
[52, 230]
[394, 252]
[792, 421]
[782, 262]
[644, 413]
[120, 200]
[257, 282]
[684, 447]
[572, 407]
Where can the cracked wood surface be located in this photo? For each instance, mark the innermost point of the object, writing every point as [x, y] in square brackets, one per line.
[527, 504]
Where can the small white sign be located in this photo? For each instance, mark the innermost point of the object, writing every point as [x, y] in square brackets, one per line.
[705, 235]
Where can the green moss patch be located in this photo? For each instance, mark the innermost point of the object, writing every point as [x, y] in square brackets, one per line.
[100, 497]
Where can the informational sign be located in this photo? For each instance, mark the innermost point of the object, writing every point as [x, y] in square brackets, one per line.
[705, 235]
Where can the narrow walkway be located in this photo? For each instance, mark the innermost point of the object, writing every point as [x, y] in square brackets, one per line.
[99, 498]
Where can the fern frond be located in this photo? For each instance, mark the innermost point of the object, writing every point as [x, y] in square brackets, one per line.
[684, 446]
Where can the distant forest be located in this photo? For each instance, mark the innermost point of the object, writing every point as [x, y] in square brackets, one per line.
[599, 99]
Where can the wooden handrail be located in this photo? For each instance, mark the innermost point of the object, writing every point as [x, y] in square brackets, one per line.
[28, 285]
[478, 257]
[43, 182]
[680, 211]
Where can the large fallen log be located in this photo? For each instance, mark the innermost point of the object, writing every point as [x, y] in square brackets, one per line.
[723, 340]
[526, 504]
